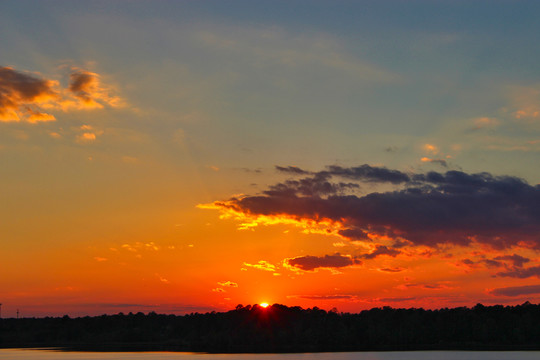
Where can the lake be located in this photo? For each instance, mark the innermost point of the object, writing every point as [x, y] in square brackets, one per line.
[25, 354]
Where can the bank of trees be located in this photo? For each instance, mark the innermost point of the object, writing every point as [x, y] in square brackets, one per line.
[279, 328]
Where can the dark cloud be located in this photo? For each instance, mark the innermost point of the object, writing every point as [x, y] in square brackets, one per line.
[441, 162]
[22, 93]
[398, 299]
[325, 297]
[381, 250]
[515, 259]
[369, 173]
[318, 185]
[492, 263]
[310, 263]
[292, 170]
[423, 286]
[354, 234]
[521, 273]
[392, 270]
[427, 209]
[517, 290]
[81, 83]
[399, 243]
[248, 170]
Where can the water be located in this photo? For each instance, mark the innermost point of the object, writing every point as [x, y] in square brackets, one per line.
[23, 354]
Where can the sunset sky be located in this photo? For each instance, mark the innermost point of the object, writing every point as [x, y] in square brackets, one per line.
[182, 156]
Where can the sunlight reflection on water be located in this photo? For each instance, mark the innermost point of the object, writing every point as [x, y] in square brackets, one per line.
[23, 354]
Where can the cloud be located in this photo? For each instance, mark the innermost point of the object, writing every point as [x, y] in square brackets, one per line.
[162, 279]
[525, 103]
[398, 299]
[273, 46]
[392, 270]
[86, 87]
[323, 297]
[516, 260]
[430, 148]
[441, 162]
[262, 265]
[516, 290]
[291, 170]
[369, 173]
[354, 234]
[521, 273]
[25, 96]
[429, 209]
[485, 122]
[310, 263]
[381, 250]
[435, 286]
[86, 137]
[228, 284]
[137, 246]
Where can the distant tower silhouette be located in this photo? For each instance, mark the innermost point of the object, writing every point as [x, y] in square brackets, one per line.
[0, 311]
[17, 313]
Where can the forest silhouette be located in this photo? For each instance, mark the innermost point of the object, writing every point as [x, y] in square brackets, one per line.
[279, 328]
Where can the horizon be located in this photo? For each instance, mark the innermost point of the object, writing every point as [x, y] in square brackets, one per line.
[269, 307]
[185, 156]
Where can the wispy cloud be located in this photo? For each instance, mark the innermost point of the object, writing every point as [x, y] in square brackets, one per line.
[228, 284]
[274, 46]
[262, 265]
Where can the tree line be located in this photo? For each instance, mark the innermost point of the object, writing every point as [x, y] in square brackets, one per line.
[280, 328]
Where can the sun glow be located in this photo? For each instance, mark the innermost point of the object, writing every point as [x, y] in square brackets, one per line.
[264, 305]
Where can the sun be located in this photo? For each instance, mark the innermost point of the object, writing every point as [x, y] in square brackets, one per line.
[264, 305]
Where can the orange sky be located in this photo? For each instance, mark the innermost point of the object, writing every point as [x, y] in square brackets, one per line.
[179, 157]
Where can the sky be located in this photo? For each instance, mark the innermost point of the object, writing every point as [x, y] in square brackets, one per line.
[189, 156]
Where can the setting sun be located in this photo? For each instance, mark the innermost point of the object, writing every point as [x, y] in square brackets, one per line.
[264, 305]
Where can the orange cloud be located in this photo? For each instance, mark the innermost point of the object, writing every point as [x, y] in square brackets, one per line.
[90, 93]
[86, 137]
[430, 148]
[262, 265]
[22, 95]
[485, 122]
[25, 96]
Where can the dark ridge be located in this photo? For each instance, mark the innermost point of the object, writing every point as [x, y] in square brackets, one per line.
[253, 329]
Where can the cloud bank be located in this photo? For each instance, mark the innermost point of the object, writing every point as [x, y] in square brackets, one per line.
[428, 209]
